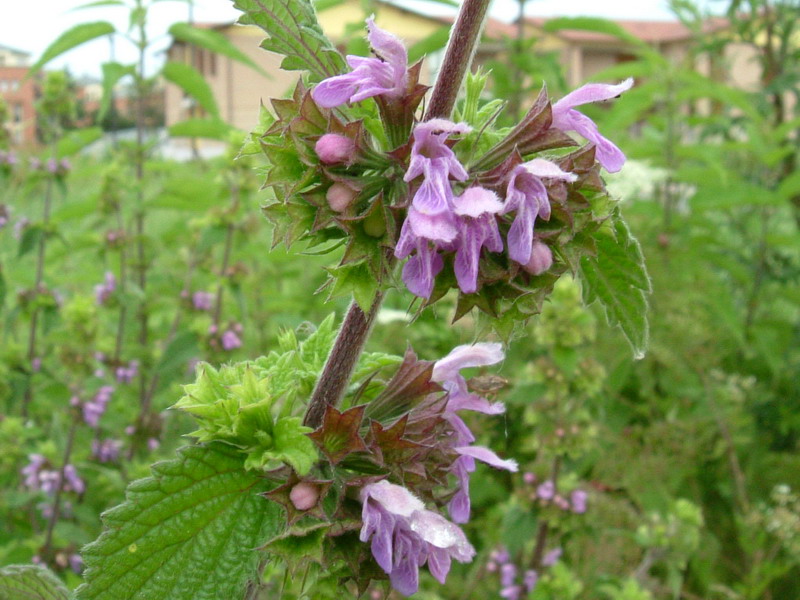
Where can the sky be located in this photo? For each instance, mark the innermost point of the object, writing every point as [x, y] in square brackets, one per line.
[32, 26]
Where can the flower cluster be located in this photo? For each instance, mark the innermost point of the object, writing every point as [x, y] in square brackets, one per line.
[127, 373]
[38, 477]
[107, 450]
[228, 340]
[95, 408]
[545, 493]
[500, 562]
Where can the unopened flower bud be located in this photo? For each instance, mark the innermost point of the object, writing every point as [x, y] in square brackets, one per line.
[340, 196]
[304, 495]
[529, 478]
[541, 259]
[334, 149]
[375, 225]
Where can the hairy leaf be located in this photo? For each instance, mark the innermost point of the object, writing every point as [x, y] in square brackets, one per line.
[295, 33]
[191, 81]
[80, 34]
[30, 582]
[213, 41]
[187, 533]
[77, 140]
[617, 278]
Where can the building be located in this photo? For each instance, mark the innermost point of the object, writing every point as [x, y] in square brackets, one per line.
[19, 94]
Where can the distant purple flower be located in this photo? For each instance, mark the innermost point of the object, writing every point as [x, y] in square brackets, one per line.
[32, 469]
[103, 291]
[64, 165]
[153, 444]
[384, 75]
[446, 372]
[529, 478]
[551, 557]
[566, 118]
[530, 579]
[578, 500]
[202, 300]
[95, 408]
[508, 573]
[526, 195]
[36, 364]
[107, 450]
[431, 221]
[546, 490]
[52, 166]
[35, 163]
[76, 563]
[511, 592]
[73, 483]
[405, 536]
[477, 227]
[230, 341]
[127, 374]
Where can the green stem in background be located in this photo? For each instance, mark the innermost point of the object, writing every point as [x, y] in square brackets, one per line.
[332, 383]
[464, 40]
[48, 540]
[123, 286]
[40, 260]
[226, 256]
[544, 526]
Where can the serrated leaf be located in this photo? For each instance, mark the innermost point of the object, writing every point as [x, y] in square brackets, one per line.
[191, 81]
[80, 34]
[30, 582]
[213, 41]
[189, 532]
[357, 281]
[617, 278]
[295, 33]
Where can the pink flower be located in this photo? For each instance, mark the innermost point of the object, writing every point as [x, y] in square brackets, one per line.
[334, 149]
[566, 118]
[384, 75]
[405, 536]
[477, 227]
[541, 258]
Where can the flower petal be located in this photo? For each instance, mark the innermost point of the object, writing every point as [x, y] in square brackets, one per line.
[466, 356]
[591, 92]
[489, 457]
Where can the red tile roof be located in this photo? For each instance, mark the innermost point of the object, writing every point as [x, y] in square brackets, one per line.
[649, 31]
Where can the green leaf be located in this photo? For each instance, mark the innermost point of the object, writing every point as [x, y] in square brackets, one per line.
[77, 140]
[178, 354]
[98, 4]
[3, 290]
[213, 41]
[295, 33]
[112, 73]
[617, 278]
[30, 239]
[30, 582]
[356, 280]
[214, 129]
[191, 81]
[187, 533]
[80, 34]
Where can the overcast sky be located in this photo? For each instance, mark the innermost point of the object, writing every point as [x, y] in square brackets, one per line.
[32, 26]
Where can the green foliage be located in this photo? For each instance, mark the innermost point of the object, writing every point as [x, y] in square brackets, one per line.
[294, 32]
[618, 279]
[191, 81]
[189, 531]
[213, 41]
[30, 582]
[80, 34]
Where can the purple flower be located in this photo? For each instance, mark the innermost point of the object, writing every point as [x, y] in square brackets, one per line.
[566, 118]
[446, 372]
[546, 490]
[384, 75]
[512, 592]
[340, 196]
[431, 221]
[477, 227]
[103, 291]
[31, 471]
[405, 536]
[508, 573]
[530, 580]
[230, 341]
[76, 563]
[578, 499]
[73, 483]
[107, 450]
[202, 300]
[527, 196]
[96, 407]
[551, 557]
[52, 166]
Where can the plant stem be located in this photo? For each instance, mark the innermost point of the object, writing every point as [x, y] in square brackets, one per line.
[40, 259]
[544, 526]
[461, 48]
[226, 256]
[335, 376]
[123, 285]
[57, 500]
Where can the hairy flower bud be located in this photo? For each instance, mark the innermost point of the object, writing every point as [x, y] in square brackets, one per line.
[334, 149]
[340, 196]
[304, 495]
[541, 259]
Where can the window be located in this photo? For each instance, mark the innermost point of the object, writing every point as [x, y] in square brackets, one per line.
[18, 112]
